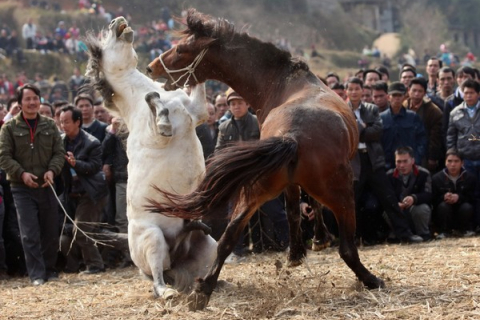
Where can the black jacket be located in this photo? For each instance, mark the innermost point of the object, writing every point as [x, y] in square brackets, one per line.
[464, 187]
[88, 166]
[97, 129]
[370, 134]
[229, 131]
[115, 155]
[419, 186]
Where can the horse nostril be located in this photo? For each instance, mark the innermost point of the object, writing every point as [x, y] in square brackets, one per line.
[149, 70]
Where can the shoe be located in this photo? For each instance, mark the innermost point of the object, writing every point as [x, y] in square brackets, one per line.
[4, 275]
[468, 234]
[38, 282]
[233, 258]
[413, 239]
[53, 277]
[93, 270]
[440, 236]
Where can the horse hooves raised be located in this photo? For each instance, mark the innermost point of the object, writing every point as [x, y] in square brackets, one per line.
[316, 246]
[197, 301]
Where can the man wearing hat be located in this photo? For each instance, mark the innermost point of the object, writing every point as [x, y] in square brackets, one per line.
[272, 223]
[243, 125]
[401, 127]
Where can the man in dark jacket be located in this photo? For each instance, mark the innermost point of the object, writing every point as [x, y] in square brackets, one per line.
[401, 127]
[453, 197]
[412, 185]
[96, 128]
[369, 164]
[85, 184]
[31, 153]
[431, 116]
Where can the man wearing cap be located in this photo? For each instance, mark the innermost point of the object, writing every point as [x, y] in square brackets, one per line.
[96, 128]
[401, 127]
[243, 126]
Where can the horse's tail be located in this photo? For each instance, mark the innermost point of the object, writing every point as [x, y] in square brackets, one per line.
[229, 172]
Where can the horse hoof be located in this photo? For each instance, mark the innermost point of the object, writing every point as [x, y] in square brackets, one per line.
[294, 263]
[197, 301]
[320, 246]
[166, 294]
[169, 294]
[374, 283]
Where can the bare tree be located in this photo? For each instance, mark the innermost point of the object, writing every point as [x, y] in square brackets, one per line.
[424, 27]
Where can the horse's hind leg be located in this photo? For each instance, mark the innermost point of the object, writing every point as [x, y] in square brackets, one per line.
[322, 238]
[297, 249]
[339, 198]
[151, 248]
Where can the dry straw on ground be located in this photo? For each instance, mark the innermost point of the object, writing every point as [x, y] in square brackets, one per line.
[435, 280]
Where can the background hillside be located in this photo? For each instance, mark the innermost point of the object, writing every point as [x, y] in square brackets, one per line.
[338, 29]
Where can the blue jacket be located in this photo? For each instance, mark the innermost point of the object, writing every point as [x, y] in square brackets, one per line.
[401, 130]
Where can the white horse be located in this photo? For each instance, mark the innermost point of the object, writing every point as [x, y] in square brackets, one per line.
[163, 151]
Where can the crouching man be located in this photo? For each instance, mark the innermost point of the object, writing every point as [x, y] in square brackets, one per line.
[413, 188]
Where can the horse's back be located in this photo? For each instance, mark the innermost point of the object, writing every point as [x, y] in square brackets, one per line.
[318, 120]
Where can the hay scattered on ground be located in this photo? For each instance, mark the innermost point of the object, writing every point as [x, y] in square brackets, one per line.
[435, 280]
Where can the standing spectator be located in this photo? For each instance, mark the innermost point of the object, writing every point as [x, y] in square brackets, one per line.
[29, 30]
[46, 110]
[371, 162]
[464, 125]
[380, 95]
[3, 264]
[401, 127]
[85, 185]
[44, 85]
[91, 125]
[371, 76]
[101, 113]
[413, 188]
[367, 94]
[59, 90]
[446, 85]
[431, 117]
[433, 66]
[406, 75]
[205, 134]
[339, 89]
[31, 153]
[384, 72]
[453, 197]
[75, 82]
[221, 106]
[462, 74]
[332, 78]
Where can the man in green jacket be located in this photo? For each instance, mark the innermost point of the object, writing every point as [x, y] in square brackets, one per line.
[32, 154]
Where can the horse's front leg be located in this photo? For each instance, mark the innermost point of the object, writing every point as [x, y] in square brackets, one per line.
[297, 249]
[203, 288]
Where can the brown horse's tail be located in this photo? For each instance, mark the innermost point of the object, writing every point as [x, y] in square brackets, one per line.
[229, 172]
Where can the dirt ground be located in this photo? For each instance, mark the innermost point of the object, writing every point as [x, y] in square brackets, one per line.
[435, 280]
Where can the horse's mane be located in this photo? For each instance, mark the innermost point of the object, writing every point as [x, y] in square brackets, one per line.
[224, 33]
[94, 67]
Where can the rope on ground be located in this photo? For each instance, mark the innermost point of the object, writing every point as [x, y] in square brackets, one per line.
[76, 228]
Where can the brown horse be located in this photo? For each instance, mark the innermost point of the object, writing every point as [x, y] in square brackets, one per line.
[308, 136]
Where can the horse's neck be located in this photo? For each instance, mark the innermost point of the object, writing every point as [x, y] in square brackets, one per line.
[129, 87]
[262, 87]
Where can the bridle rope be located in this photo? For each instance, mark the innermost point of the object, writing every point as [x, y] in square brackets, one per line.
[189, 70]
